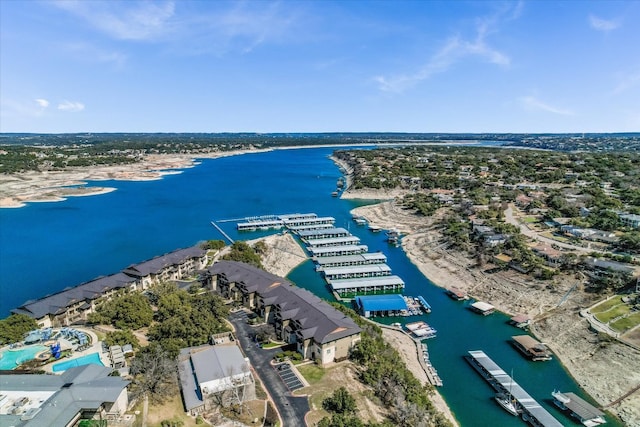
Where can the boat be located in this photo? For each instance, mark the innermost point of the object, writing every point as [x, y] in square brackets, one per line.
[506, 402]
[374, 228]
[334, 194]
[587, 414]
[393, 236]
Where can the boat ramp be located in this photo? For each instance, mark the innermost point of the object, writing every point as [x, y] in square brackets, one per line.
[530, 410]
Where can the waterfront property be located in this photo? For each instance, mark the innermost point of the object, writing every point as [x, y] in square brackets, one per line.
[381, 305]
[588, 414]
[503, 383]
[80, 393]
[369, 285]
[72, 305]
[209, 374]
[532, 348]
[320, 332]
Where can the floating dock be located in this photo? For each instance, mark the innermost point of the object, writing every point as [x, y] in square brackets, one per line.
[531, 410]
[351, 260]
[531, 347]
[432, 374]
[331, 251]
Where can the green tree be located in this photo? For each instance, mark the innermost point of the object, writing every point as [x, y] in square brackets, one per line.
[14, 328]
[630, 241]
[242, 252]
[340, 402]
[127, 311]
[121, 337]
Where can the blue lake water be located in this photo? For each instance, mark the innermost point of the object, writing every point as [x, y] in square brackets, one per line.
[46, 247]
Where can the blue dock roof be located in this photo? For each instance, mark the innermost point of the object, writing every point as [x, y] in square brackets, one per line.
[390, 302]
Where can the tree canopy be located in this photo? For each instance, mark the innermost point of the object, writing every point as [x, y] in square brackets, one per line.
[127, 311]
[14, 328]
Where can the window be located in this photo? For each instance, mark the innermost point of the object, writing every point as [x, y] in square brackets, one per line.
[328, 351]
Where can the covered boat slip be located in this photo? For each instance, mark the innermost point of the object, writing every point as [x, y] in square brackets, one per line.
[266, 222]
[357, 271]
[331, 251]
[380, 305]
[298, 228]
[260, 225]
[367, 285]
[322, 233]
[334, 241]
[351, 260]
[588, 414]
[503, 383]
[296, 222]
[532, 348]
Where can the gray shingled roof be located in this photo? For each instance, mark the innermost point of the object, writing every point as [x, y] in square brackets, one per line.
[317, 318]
[58, 302]
[79, 388]
[157, 264]
[205, 363]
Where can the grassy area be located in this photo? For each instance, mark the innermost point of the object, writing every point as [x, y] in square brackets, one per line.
[311, 373]
[607, 304]
[272, 345]
[616, 311]
[170, 410]
[530, 219]
[550, 235]
[627, 323]
[342, 374]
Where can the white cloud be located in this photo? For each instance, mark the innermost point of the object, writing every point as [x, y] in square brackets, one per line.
[42, 103]
[71, 106]
[532, 103]
[456, 49]
[602, 24]
[132, 20]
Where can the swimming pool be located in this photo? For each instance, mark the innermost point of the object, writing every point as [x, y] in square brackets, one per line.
[93, 358]
[10, 359]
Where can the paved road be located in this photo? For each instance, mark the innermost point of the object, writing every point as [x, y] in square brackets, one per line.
[292, 409]
[508, 217]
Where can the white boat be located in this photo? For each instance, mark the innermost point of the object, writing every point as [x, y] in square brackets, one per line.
[506, 402]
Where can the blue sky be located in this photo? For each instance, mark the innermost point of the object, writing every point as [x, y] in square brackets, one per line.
[319, 66]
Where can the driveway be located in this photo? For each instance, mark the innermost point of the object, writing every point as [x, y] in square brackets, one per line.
[292, 409]
[508, 217]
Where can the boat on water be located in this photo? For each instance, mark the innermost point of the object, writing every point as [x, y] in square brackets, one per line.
[506, 402]
[393, 236]
[587, 414]
[374, 228]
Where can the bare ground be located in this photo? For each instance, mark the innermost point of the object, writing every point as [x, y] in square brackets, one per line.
[606, 369]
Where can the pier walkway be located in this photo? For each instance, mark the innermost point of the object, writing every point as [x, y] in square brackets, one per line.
[503, 383]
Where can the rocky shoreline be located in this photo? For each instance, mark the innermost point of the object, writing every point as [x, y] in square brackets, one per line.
[605, 369]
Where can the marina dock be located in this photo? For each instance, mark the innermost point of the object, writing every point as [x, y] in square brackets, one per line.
[529, 408]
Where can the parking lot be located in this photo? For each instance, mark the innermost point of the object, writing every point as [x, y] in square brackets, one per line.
[288, 376]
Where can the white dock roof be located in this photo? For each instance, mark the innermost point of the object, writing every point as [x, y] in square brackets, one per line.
[367, 281]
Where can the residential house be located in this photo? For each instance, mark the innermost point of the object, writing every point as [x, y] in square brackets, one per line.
[214, 374]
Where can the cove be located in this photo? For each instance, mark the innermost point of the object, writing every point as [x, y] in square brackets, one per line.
[46, 247]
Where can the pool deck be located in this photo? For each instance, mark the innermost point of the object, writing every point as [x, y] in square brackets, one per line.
[96, 346]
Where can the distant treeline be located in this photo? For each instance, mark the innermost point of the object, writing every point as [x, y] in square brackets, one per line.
[25, 152]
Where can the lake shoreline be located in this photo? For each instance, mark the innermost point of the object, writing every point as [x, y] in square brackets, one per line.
[601, 371]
